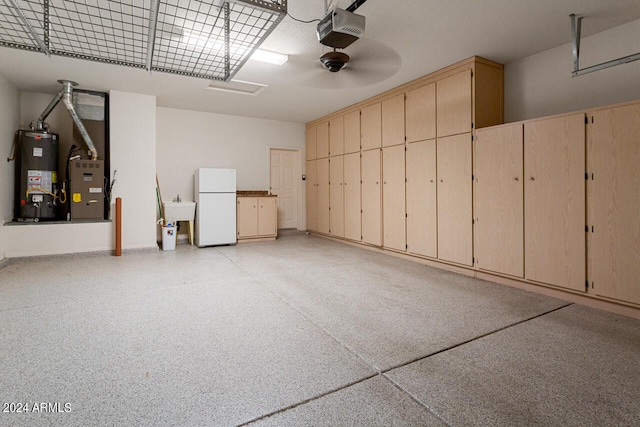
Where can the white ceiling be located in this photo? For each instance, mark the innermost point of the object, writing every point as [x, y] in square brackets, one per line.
[403, 41]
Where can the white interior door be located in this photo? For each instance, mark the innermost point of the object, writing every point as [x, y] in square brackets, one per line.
[284, 184]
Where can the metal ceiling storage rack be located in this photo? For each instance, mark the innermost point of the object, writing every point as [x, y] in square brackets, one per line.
[210, 39]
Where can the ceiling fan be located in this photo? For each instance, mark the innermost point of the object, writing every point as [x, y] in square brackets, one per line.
[347, 58]
[339, 29]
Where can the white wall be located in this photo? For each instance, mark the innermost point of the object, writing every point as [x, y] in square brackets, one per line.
[133, 147]
[187, 140]
[9, 123]
[132, 155]
[541, 85]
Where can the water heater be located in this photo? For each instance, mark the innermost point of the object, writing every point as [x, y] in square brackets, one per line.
[36, 176]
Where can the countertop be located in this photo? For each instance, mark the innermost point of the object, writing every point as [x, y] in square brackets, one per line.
[254, 193]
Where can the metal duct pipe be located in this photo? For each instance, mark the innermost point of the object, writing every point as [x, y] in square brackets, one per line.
[66, 94]
[47, 111]
[67, 100]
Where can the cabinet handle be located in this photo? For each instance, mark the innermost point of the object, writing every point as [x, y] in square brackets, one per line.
[516, 179]
[431, 181]
[532, 179]
[385, 182]
[441, 181]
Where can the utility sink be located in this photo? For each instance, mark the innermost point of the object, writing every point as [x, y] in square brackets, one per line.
[178, 211]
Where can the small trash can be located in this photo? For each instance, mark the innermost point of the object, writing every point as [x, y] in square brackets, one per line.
[169, 237]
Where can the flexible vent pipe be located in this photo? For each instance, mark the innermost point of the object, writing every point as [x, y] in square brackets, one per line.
[66, 94]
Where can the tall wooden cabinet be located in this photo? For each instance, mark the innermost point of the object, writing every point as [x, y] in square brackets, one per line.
[613, 198]
[352, 206]
[422, 213]
[318, 195]
[499, 199]
[336, 196]
[393, 198]
[554, 201]
[312, 192]
[404, 204]
[371, 198]
[455, 208]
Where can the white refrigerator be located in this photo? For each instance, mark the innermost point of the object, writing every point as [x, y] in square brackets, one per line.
[215, 196]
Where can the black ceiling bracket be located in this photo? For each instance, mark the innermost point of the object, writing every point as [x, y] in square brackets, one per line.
[356, 4]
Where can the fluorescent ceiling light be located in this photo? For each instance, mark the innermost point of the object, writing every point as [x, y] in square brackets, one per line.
[235, 50]
[269, 57]
[238, 86]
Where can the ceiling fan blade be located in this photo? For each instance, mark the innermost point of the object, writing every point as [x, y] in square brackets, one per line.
[370, 62]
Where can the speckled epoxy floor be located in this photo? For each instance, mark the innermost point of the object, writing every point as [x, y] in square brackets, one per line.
[301, 331]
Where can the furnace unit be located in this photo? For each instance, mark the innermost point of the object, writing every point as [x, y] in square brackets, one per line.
[86, 189]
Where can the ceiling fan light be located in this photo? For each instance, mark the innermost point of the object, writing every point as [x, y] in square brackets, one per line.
[334, 61]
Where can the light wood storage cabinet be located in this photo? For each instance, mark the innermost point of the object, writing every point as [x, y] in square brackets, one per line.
[421, 113]
[352, 132]
[551, 202]
[499, 196]
[393, 198]
[311, 142]
[393, 121]
[371, 198]
[454, 99]
[422, 213]
[322, 195]
[318, 195]
[312, 195]
[352, 206]
[554, 201]
[455, 208]
[257, 217]
[317, 141]
[613, 198]
[408, 214]
[336, 136]
[336, 196]
[371, 126]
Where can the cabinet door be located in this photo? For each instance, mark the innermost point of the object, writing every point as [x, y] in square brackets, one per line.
[336, 196]
[613, 197]
[336, 136]
[499, 197]
[454, 104]
[267, 216]
[393, 198]
[323, 195]
[311, 143]
[352, 132]
[455, 215]
[371, 198]
[421, 113]
[247, 216]
[322, 140]
[422, 213]
[312, 191]
[352, 207]
[554, 201]
[393, 121]
[371, 126]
